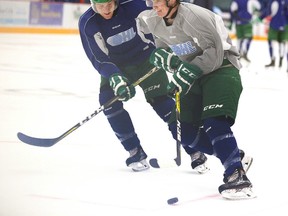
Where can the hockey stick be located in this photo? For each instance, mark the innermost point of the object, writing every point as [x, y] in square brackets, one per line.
[154, 161]
[48, 142]
[178, 142]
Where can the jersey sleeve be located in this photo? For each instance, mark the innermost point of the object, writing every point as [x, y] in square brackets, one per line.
[210, 40]
[141, 22]
[94, 48]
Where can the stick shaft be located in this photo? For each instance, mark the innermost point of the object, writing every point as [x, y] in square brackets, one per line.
[178, 142]
[47, 142]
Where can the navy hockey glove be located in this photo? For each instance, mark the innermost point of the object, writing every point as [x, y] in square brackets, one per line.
[164, 59]
[183, 78]
[121, 87]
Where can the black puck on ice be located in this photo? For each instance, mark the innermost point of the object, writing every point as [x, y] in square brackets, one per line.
[172, 200]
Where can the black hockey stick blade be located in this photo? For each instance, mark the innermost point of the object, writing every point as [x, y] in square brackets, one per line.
[42, 142]
[177, 161]
[45, 142]
[154, 163]
[163, 164]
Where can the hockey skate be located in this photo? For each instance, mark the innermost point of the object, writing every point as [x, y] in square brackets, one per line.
[137, 160]
[245, 160]
[244, 56]
[237, 186]
[272, 64]
[199, 163]
[280, 62]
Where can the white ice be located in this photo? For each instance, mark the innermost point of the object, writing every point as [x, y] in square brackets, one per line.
[47, 85]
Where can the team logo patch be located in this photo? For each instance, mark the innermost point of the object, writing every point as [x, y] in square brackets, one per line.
[122, 37]
[184, 48]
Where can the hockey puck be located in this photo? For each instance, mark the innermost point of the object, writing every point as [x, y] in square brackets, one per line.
[172, 200]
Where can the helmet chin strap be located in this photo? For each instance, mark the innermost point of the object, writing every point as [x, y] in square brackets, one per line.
[170, 9]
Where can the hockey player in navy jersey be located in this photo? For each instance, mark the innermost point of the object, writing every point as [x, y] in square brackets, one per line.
[242, 14]
[120, 53]
[277, 10]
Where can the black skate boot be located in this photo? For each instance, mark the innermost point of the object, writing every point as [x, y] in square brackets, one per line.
[244, 56]
[237, 186]
[280, 62]
[137, 160]
[199, 162]
[272, 63]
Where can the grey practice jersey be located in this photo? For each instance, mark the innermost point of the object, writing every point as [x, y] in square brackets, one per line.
[197, 36]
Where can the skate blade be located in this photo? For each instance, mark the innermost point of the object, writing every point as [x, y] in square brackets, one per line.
[139, 166]
[246, 163]
[202, 169]
[239, 194]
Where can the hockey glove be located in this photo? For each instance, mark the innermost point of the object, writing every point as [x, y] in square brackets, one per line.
[183, 78]
[164, 59]
[121, 87]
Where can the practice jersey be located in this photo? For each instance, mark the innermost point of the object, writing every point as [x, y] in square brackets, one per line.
[278, 12]
[115, 43]
[242, 10]
[197, 35]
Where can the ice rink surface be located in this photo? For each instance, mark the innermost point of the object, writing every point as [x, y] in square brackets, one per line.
[47, 85]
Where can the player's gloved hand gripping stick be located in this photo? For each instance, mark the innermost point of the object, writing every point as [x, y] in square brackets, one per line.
[184, 74]
[47, 142]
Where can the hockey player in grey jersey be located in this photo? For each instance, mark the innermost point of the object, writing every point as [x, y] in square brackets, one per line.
[194, 45]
